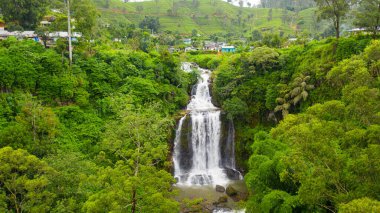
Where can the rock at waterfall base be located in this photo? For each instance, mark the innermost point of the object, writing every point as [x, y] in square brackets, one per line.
[220, 188]
[223, 199]
[240, 196]
[231, 191]
[232, 174]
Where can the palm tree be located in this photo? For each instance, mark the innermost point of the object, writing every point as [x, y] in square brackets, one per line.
[283, 106]
[299, 91]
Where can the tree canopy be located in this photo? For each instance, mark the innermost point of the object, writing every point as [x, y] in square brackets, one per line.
[26, 13]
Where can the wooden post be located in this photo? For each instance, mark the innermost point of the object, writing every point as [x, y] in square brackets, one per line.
[69, 32]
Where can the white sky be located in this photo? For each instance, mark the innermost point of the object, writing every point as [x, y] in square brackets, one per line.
[236, 2]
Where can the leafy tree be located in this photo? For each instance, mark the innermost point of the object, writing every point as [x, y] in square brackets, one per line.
[361, 205]
[256, 35]
[25, 13]
[270, 15]
[43, 32]
[151, 23]
[138, 175]
[283, 105]
[24, 181]
[38, 126]
[70, 181]
[139, 8]
[349, 71]
[362, 104]
[285, 16]
[42, 123]
[272, 40]
[235, 108]
[334, 10]
[264, 58]
[368, 15]
[85, 14]
[194, 33]
[298, 91]
[372, 57]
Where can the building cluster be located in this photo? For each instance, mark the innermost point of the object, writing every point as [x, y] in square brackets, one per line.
[52, 37]
[49, 37]
[207, 46]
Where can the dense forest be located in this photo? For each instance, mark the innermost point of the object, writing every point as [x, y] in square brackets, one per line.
[96, 134]
[76, 139]
[322, 100]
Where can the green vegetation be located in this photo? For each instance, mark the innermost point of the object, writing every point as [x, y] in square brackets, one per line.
[96, 136]
[324, 153]
[23, 13]
[334, 10]
[368, 15]
[207, 17]
[88, 138]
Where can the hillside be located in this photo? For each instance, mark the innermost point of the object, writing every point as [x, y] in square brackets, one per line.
[207, 17]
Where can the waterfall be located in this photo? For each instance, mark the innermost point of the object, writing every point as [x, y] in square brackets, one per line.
[203, 155]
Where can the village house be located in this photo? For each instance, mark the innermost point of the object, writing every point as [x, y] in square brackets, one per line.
[189, 49]
[187, 41]
[228, 49]
[19, 35]
[361, 30]
[213, 46]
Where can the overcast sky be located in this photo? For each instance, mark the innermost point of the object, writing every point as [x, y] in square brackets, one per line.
[236, 2]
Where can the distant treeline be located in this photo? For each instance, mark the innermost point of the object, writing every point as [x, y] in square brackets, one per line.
[287, 4]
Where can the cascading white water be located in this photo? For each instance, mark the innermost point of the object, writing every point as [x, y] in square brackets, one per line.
[201, 163]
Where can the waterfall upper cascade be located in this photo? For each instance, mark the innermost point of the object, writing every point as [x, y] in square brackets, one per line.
[203, 146]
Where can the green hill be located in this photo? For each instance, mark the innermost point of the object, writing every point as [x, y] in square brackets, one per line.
[207, 16]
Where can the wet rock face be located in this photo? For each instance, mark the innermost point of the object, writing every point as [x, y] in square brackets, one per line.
[227, 148]
[232, 174]
[186, 151]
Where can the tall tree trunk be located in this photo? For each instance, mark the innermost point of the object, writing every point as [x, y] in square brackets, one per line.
[337, 25]
[134, 201]
[377, 24]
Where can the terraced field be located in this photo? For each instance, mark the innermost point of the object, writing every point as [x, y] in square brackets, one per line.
[208, 17]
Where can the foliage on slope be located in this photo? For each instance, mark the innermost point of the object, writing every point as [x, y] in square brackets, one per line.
[90, 137]
[207, 17]
[324, 153]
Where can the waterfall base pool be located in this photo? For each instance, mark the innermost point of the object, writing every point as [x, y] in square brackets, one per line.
[211, 198]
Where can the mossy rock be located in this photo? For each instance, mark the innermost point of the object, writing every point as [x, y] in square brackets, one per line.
[231, 191]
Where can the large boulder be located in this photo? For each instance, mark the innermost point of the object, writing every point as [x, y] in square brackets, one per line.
[220, 188]
[232, 174]
[231, 191]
